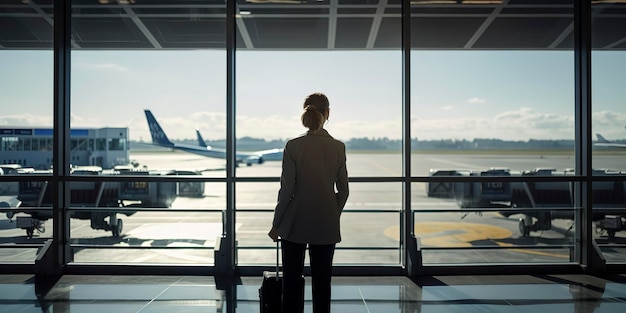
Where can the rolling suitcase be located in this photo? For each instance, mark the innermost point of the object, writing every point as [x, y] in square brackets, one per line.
[271, 290]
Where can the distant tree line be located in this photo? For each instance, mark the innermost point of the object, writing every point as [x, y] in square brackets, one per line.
[457, 144]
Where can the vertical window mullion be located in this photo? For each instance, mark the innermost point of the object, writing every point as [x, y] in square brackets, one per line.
[61, 136]
[582, 55]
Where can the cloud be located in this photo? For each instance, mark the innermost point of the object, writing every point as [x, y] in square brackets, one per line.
[527, 118]
[476, 100]
[519, 124]
[102, 67]
[212, 125]
[19, 120]
[609, 124]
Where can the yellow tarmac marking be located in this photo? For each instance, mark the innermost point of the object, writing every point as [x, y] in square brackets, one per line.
[452, 234]
[456, 234]
[535, 252]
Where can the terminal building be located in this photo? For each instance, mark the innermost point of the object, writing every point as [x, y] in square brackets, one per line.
[32, 147]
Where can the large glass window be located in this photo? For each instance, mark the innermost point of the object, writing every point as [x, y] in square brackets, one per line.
[148, 79]
[608, 126]
[287, 51]
[492, 127]
[492, 94]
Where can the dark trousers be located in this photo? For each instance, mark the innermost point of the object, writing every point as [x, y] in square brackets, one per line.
[321, 260]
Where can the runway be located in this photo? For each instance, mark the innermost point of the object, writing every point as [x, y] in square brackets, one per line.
[186, 233]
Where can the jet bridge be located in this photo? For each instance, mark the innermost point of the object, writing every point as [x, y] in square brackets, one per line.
[107, 198]
[542, 202]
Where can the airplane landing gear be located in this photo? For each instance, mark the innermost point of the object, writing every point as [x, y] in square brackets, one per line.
[114, 224]
[537, 222]
[611, 234]
[523, 228]
[30, 225]
[116, 230]
[611, 225]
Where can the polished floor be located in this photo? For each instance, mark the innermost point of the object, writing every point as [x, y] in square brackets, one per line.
[466, 294]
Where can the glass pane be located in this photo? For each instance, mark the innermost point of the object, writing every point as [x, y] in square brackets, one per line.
[255, 207]
[608, 122]
[288, 51]
[500, 82]
[163, 221]
[492, 91]
[145, 78]
[26, 98]
[148, 79]
[498, 222]
[369, 224]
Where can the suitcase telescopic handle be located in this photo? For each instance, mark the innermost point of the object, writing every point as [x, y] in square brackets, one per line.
[277, 253]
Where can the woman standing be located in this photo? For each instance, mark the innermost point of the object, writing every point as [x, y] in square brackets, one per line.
[313, 192]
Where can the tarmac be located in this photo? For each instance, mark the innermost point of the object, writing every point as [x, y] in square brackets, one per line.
[186, 232]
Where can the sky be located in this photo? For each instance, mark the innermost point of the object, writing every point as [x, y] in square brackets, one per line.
[510, 95]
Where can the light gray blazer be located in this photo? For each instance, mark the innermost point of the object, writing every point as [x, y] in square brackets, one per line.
[308, 208]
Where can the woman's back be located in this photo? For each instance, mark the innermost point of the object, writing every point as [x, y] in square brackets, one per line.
[319, 164]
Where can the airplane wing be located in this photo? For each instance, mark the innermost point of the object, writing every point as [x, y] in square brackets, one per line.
[249, 157]
[271, 154]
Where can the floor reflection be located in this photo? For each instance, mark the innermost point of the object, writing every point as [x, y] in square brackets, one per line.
[518, 293]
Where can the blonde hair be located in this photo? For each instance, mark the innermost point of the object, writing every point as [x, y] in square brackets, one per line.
[315, 111]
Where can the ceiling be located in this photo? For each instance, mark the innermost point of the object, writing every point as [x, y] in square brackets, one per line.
[312, 24]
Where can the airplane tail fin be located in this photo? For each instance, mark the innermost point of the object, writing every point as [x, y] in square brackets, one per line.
[201, 142]
[156, 132]
[601, 139]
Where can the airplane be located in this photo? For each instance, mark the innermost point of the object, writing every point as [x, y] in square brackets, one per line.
[254, 157]
[268, 155]
[603, 142]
